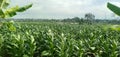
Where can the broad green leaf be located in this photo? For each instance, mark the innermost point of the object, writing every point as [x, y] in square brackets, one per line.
[32, 39]
[25, 56]
[92, 48]
[22, 9]
[11, 12]
[1, 14]
[45, 53]
[114, 8]
[12, 28]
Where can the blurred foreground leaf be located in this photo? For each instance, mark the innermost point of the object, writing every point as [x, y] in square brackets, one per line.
[114, 8]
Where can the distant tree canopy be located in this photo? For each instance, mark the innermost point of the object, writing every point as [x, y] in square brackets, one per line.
[76, 19]
[89, 16]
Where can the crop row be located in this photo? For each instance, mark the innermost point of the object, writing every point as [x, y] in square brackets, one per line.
[59, 40]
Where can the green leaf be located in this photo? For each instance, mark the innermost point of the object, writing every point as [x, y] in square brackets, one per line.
[92, 48]
[1, 14]
[10, 26]
[1, 1]
[114, 8]
[1, 40]
[11, 12]
[22, 9]
[45, 53]
[25, 56]
[6, 3]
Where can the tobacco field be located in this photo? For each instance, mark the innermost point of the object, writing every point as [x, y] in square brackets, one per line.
[52, 39]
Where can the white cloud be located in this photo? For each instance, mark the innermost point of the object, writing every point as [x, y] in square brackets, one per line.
[64, 8]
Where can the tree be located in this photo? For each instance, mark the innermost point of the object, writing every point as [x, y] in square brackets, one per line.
[89, 16]
[76, 19]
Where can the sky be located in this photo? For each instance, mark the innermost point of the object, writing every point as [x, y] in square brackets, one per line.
[60, 9]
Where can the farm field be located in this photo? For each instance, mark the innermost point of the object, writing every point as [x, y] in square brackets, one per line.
[52, 39]
[61, 28]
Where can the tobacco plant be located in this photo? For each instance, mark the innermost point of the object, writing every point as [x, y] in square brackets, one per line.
[114, 8]
[7, 12]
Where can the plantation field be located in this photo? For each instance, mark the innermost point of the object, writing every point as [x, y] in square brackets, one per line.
[52, 39]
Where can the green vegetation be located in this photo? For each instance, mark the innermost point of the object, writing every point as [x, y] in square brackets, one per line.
[57, 39]
[65, 38]
[7, 12]
[114, 8]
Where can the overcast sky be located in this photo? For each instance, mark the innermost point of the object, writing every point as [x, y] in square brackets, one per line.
[65, 8]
